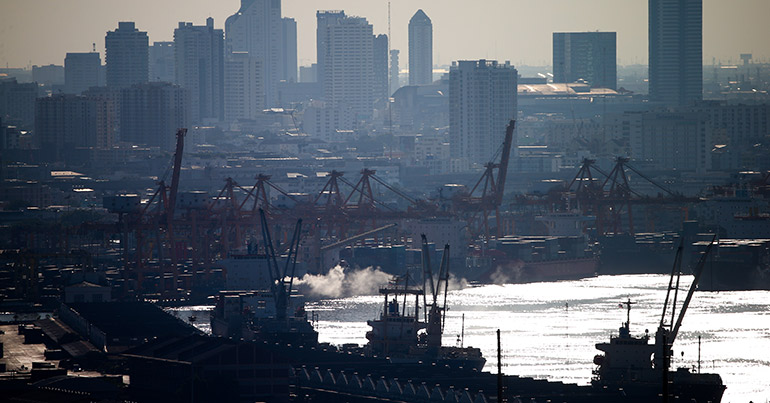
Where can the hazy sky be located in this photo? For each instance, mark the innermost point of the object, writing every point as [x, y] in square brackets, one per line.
[42, 31]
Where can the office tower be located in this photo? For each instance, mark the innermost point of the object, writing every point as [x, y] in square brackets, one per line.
[482, 100]
[17, 103]
[420, 49]
[244, 95]
[324, 19]
[81, 71]
[162, 63]
[64, 123]
[257, 28]
[590, 56]
[380, 62]
[348, 71]
[151, 113]
[199, 55]
[676, 51]
[395, 83]
[126, 56]
[289, 50]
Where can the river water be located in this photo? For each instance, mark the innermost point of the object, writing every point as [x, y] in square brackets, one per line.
[549, 330]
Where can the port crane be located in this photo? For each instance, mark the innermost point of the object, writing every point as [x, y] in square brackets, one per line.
[491, 187]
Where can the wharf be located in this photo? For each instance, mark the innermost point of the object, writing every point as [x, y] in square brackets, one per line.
[17, 356]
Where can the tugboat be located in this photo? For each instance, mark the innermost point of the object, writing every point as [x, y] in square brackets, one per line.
[626, 366]
[264, 314]
[398, 334]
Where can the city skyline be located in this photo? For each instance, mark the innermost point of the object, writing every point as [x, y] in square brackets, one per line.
[24, 43]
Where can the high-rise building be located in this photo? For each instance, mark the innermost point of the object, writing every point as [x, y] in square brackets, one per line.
[676, 51]
[289, 50]
[324, 19]
[81, 71]
[126, 55]
[199, 55]
[244, 95]
[64, 123]
[348, 70]
[48, 75]
[380, 63]
[151, 113]
[589, 56]
[106, 100]
[395, 83]
[482, 100]
[666, 139]
[257, 28]
[162, 63]
[420, 49]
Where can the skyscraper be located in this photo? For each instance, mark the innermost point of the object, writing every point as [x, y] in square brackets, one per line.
[380, 63]
[289, 50]
[348, 70]
[244, 96]
[420, 49]
[324, 19]
[126, 54]
[676, 51]
[482, 100]
[257, 28]
[81, 71]
[394, 70]
[590, 56]
[199, 54]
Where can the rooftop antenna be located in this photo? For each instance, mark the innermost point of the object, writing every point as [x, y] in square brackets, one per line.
[390, 109]
[93, 47]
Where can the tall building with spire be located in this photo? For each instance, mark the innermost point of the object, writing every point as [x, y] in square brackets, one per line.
[420, 49]
[257, 28]
[676, 51]
[126, 54]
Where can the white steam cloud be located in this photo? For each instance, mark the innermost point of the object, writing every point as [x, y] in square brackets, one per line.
[340, 283]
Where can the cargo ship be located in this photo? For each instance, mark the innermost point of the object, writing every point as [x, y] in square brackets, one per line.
[736, 265]
[523, 259]
[642, 253]
[402, 335]
[626, 365]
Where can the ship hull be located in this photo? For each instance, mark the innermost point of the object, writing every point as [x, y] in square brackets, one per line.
[516, 271]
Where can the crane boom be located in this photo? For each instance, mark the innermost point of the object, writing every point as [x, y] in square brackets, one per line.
[697, 272]
[175, 173]
[504, 158]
